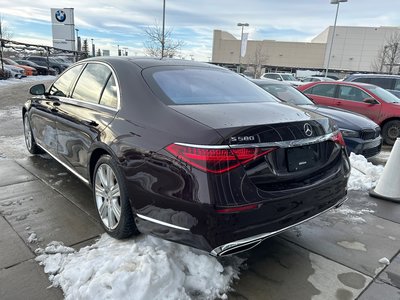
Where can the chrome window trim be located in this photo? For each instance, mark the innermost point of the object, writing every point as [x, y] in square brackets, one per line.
[161, 222]
[65, 166]
[282, 144]
[92, 103]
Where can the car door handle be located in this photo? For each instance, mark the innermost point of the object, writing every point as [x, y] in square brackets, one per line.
[90, 123]
[339, 103]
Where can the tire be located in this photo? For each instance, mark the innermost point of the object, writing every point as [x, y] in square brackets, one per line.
[29, 140]
[114, 211]
[391, 131]
[58, 71]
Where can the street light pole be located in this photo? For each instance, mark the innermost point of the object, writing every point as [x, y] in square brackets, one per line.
[333, 34]
[77, 39]
[240, 46]
[163, 31]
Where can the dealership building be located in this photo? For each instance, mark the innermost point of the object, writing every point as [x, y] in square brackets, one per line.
[355, 49]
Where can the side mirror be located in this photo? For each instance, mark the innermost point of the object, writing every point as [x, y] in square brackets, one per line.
[37, 90]
[370, 101]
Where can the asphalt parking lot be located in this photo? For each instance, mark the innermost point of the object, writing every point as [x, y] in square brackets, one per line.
[335, 256]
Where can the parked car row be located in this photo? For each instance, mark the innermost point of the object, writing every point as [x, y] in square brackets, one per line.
[361, 135]
[369, 100]
[31, 66]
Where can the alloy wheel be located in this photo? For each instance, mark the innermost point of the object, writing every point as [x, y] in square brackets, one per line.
[27, 133]
[108, 197]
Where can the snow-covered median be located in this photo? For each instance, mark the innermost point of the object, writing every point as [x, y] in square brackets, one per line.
[141, 268]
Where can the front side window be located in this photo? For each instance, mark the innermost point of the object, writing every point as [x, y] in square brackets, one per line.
[287, 77]
[61, 87]
[352, 93]
[192, 85]
[362, 79]
[326, 90]
[91, 83]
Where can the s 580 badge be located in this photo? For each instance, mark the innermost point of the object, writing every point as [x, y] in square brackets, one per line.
[235, 139]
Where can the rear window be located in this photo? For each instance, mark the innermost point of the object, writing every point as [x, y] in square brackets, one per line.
[191, 85]
[326, 90]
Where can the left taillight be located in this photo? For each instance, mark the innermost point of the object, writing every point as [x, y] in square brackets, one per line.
[338, 139]
[213, 160]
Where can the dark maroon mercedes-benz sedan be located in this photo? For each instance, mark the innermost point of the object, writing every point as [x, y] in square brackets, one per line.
[186, 151]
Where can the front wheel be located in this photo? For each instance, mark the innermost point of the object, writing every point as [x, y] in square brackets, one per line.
[111, 199]
[391, 131]
[29, 140]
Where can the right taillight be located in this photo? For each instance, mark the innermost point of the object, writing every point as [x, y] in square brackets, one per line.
[338, 138]
[215, 160]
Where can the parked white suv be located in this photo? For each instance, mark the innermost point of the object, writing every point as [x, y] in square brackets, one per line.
[287, 77]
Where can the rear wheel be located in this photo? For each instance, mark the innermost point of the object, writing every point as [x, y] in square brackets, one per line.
[29, 140]
[111, 199]
[391, 131]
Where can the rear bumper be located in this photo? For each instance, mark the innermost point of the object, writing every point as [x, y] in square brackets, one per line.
[250, 242]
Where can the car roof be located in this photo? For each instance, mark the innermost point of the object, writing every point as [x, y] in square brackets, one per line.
[147, 62]
[374, 75]
[350, 83]
[269, 81]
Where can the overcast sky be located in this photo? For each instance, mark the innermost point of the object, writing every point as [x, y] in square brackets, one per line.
[122, 22]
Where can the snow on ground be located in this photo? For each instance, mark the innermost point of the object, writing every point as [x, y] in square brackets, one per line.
[364, 175]
[145, 267]
[11, 81]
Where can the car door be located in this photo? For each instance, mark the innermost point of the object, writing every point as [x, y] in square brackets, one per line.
[44, 111]
[322, 93]
[91, 106]
[352, 98]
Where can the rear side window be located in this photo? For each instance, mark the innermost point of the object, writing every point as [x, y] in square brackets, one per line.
[61, 87]
[91, 83]
[362, 79]
[193, 85]
[397, 85]
[385, 83]
[326, 90]
[110, 95]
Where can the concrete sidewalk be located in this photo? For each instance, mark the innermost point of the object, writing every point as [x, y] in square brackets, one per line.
[335, 256]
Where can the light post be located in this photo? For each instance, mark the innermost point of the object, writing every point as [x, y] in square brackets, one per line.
[333, 34]
[163, 31]
[118, 54]
[240, 46]
[77, 39]
[93, 49]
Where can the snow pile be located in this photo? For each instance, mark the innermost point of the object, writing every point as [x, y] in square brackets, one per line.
[142, 268]
[11, 81]
[364, 175]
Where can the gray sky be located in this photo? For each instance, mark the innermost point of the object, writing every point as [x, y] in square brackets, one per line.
[122, 22]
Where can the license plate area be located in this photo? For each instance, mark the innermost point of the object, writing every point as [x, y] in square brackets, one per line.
[301, 158]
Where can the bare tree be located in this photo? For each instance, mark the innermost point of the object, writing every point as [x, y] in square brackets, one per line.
[389, 55]
[257, 59]
[6, 34]
[154, 42]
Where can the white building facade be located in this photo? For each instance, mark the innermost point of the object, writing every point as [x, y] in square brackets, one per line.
[355, 49]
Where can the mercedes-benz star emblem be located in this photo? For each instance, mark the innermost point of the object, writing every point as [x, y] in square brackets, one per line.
[307, 129]
[60, 16]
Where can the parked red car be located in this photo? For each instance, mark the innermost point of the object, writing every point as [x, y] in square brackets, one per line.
[369, 100]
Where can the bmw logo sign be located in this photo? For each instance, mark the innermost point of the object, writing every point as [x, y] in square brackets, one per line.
[60, 16]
